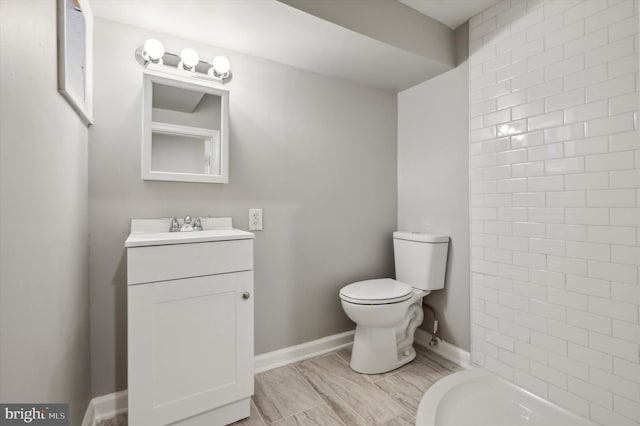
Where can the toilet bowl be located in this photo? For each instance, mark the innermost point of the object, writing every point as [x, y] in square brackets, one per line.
[385, 322]
[387, 311]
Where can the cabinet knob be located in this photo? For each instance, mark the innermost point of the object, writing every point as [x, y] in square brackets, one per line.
[246, 295]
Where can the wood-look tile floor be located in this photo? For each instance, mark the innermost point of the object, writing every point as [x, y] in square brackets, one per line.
[325, 391]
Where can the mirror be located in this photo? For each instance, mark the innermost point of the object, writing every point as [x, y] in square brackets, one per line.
[185, 130]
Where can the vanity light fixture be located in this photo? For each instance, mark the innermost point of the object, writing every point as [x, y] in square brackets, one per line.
[153, 55]
[153, 51]
[220, 67]
[189, 58]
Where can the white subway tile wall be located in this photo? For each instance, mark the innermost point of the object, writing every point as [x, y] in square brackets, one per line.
[555, 201]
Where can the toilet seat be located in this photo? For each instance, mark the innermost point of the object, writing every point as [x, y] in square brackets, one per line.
[376, 292]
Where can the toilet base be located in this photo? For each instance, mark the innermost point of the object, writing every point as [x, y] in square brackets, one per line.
[375, 351]
[379, 349]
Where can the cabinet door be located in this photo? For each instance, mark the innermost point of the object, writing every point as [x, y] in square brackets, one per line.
[190, 346]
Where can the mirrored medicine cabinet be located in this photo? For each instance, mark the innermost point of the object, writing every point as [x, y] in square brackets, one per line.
[185, 130]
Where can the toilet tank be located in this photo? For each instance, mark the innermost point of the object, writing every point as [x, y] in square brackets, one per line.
[421, 259]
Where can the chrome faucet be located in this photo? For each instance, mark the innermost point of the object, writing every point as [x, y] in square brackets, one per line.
[186, 225]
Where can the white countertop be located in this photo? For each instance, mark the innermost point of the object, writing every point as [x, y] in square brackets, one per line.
[154, 232]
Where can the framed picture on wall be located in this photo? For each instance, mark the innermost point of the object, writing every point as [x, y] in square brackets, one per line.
[75, 56]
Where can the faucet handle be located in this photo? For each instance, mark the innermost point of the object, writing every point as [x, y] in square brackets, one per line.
[175, 225]
[197, 225]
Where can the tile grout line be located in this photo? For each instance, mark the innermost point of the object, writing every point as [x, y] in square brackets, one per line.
[444, 373]
[322, 400]
[337, 396]
[394, 373]
[295, 367]
[296, 372]
[391, 398]
[276, 397]
[304, 379]
[340, 356]
[402, 407]
[295, 414]
[264, 423]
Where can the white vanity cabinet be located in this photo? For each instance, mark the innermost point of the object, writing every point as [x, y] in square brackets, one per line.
[190, 324]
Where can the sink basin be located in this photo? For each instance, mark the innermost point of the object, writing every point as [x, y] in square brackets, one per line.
[154, 232]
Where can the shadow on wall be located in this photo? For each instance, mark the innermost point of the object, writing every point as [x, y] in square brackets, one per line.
[461, 39]
[120, 312]
[65, 370]
[439, 298]
[491, 35]
[434, 186]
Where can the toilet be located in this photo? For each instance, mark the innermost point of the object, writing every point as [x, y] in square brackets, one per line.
[387, 311]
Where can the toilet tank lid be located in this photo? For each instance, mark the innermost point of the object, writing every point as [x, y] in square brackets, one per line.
[420, 237]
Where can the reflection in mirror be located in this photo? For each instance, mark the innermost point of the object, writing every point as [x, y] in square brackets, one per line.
[185, 131]
[183, 153]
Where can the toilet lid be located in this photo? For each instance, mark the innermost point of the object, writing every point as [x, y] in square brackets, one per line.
[376, 292]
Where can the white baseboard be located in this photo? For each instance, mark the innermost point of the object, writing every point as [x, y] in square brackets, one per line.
[89, 418]
[291, 354]
[105, 407]
[444, 349]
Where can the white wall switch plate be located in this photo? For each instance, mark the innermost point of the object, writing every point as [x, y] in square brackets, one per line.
[255, 219]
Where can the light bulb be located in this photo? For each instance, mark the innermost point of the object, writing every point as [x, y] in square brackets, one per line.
[153, 49]
[189, 58]
[221, 65]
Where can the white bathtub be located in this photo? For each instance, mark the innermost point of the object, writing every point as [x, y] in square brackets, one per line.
[478, 398]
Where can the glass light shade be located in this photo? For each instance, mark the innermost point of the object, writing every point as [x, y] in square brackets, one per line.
[153, 49]
[221, 65]
[189, 57]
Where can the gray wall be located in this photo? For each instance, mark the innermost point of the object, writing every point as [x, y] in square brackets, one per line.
[433, 189]
[317, 154]
[44, 290]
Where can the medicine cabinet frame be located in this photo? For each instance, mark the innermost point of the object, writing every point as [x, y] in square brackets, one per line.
[216, 143]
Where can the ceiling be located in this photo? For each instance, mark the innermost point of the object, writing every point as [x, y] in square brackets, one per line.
[272, 30]
[452, 13]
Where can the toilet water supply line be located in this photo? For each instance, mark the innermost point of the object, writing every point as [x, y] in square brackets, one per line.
[435, 337]
[416, 316]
